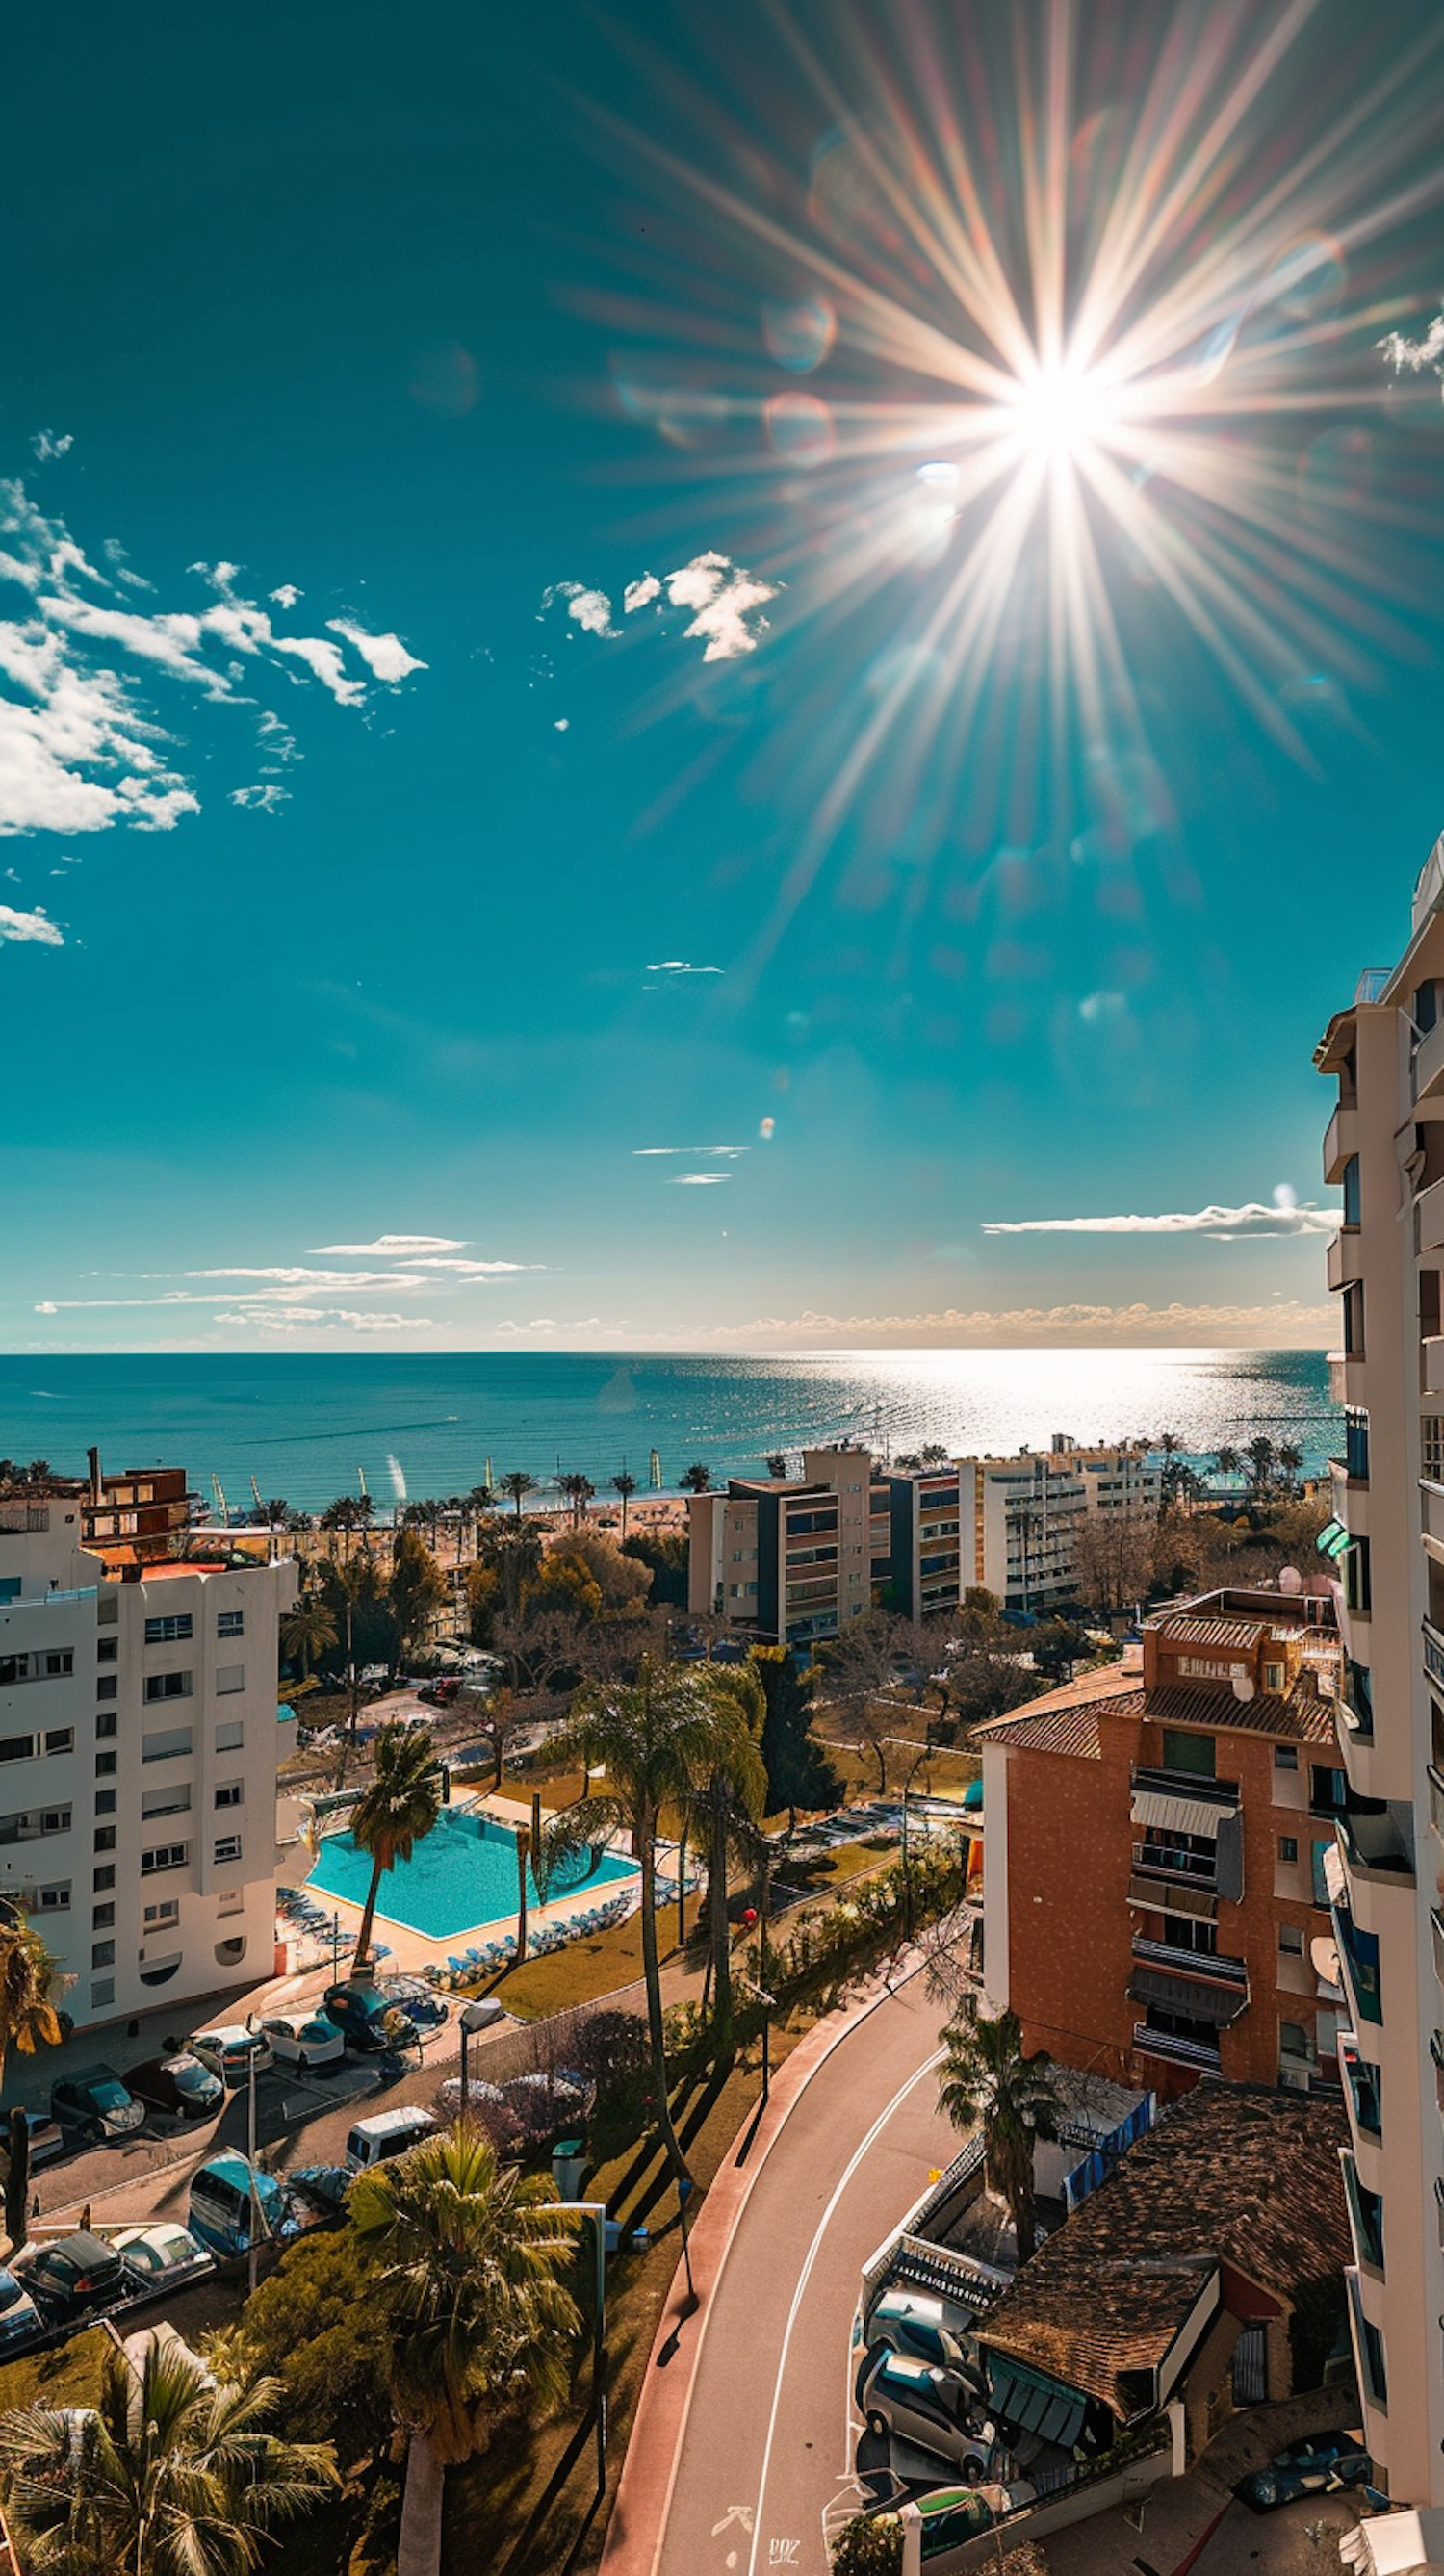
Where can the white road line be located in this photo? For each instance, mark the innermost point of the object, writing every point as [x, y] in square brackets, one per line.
[805, 2275]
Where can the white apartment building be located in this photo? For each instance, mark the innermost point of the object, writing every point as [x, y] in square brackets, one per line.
[1020, 1517]
[138, 1752]
[1385, 1148]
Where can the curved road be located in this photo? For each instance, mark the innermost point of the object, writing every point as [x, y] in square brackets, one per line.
[769, 2439]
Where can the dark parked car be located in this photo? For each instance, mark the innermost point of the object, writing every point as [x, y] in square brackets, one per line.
[369, 2020]
[413, 1997]
[322, 2187]
[95, 2105]
[75, 2273]
[180, 2084]
[1320, 2464]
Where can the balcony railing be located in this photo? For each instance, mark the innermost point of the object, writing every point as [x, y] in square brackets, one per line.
[1179, 2052]
[1190, 1869]
[1434, 1654]
[1190, 1963]
[1186, 1784]
[1374, 1847]
[1362, 2081]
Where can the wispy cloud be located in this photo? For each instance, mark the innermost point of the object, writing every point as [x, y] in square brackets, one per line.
[728, 1152]
[307, 1319]
[1416, 355]
[47, 446]
[680, 966]
[697, 1180]
[1224, 1224]
[1283, 1323]
[81, 748]
[724, 599]
[395, 1243]
[263, 800]
[28, 926]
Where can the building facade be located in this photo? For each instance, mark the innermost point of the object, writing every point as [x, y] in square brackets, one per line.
[1155, 1905]
[1022, 1518]
[1385, 1149]
[138, 1755]
[793, 1561]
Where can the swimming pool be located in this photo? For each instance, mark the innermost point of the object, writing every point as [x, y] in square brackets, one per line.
[461, 1877]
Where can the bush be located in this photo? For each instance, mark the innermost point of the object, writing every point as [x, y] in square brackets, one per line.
[315, 2324]
[869, 2545]
[609, 2046]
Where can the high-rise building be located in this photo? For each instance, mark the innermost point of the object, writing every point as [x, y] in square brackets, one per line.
[1385, 1149]
[792, 1561]
[138, 1755]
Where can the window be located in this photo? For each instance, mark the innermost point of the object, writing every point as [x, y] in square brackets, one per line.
[53, 1900]
[102, 1954]
[166, 1632]
[1354, 1566]
[30, 1822]
[105, 1838]
[1291, 1941]
[102, 1991]
[230, 1623]
[107, 1686]
[103, 1878]
[107, 1650]
[167, 1686]
[105, 1765]
[1351, 1190]
[50, 1666]
[1273, 1680]
[229, 1954]
[164, 1743]
[1188, 1752]
[231, 1736]
[164, 1856]
[105, 1802]
[105, 1724]
[1294, 2040]
[173, 1800]
[1288, 1848]
[1328, 1790]
[231, 1793]
[1356, 1444]
[1373, 2344]
[1354, 1320]
[1286, 1757]
[229, 1677]
[102, 1916]
[167, 1911]
[60, 1739]
[227, 1848]
[16, 1748]
[1432, 1460]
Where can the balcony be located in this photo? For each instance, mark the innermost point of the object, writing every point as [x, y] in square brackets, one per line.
[1429, 1214]
[1344, 1260]
[1374, 1847]
[1185, 1784]
[1366, 2216]
[1434, 1656]
[1362, 2081]
[1341, 1139]
[1429, 1064]
[1211, 1964]
[1431, 1365]
[1186, 1869]
[1148, 2042]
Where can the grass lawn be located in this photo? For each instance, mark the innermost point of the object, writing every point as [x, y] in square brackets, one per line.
[586, 1969]
[68, 2376]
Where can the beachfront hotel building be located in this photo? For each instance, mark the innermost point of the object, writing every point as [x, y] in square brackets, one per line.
[1384, 1149]
[1155, 1902]
[796, 1559]
[138, 1756]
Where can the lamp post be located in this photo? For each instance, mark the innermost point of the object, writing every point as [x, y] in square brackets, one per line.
[594, 2213]
[473, 2018]
[252, 2248]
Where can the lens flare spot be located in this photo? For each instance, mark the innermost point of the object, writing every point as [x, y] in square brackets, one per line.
[1309, 279]
[800, 428]
[767, 1129]
[799, 336]
[445, 380]
[1335, 475]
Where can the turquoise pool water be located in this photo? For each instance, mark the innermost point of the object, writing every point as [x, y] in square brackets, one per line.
[462, 1877]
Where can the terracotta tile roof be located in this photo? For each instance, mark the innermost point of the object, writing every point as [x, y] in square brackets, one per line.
[1237, 2174]
[1066, 1720]
[1304, 1717]
[1213, 1632]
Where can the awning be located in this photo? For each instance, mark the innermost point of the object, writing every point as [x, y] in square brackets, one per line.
[1171, 1899]
[1179, 1815]
[1196, 1996]
[1027, 2402]
[1332, 1539]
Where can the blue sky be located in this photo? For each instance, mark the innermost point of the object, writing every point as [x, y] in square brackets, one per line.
[525, 670]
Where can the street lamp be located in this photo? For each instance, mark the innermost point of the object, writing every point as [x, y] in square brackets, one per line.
[471, 2019]
[257, 2220]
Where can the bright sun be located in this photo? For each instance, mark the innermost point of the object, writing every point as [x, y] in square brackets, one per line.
[1057, 412]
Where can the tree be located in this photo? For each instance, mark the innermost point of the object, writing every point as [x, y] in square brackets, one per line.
[518, 1484]
[625, 1485]
[1261, 1459]
[1113, 1558]
[28, 1979]
[314, 2324]
[170, 2475]
[307, 1631]
[777, 1464]
[695, 1480]
[397, 1811]
[988, 2080]
[1058, 1644]
[417, 1589]
[858, 1668]
[721, 1814]
[653, 1741]
[1226, 1460]
[622, 1582]
[934, 1455]
[470, 2263]
[799, 1771]
[513, 1551]
[1290, 1461]
[342, 1515]
[668, 1553]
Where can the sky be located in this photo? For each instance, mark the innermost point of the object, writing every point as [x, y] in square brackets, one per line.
[701, 678]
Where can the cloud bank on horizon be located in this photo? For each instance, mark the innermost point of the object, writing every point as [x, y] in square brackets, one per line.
[1224, 1224]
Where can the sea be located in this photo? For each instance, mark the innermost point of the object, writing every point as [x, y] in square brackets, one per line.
[424, 1425]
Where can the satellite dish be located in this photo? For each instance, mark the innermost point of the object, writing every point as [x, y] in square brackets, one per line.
[1243, 1686]
[1290, 1579]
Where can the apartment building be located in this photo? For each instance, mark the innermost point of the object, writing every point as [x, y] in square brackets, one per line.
[138, 1749]
[1385, 1149]
[136, 1518]
[1021, 1517]
[793, 1561]
[1154, 1898]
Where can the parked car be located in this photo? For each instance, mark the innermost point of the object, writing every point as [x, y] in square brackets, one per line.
[927, 2328]
[387, 2134]
[1319, 2464]
[178, 2083]
[161, 2256]
[321, 2187]
[227, 2197]
[73, 2274]
[19, 2316]
[95, 2105]
[367, 2018]
[951, 2515]
[47, 2140]
[305, 2039]
[415, 2000]
[229, 2049]
[923, 2404]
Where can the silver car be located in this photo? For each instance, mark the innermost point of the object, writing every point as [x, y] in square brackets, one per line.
[922, 2403]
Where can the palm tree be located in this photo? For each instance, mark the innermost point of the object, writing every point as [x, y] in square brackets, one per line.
[480, 1500]
[626, 1486]
[342, 1515]
[170, 2475]
[1260, 1456]
[1226, 1460]
[28, 1975]
[722, 1812]
[987, 2079]
[307, 1631]
[571, 1487]
[652, 1741]
[1290, 1459]
[695, 1480]
[777, 1464]
[518, 1485]
[935, 1455]
[397, 1811]
[471, 2260]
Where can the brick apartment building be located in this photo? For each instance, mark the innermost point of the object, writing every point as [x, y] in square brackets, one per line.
[1155, 1904]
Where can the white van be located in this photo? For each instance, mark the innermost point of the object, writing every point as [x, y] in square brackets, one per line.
[386, 2134]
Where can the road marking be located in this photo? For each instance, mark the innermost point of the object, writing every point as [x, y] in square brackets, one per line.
[735, 2513]
[805, 2275]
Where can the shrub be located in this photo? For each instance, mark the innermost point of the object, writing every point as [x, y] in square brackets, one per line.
[869, 2545]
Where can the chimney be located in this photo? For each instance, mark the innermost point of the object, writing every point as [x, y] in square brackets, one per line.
[93, 1455]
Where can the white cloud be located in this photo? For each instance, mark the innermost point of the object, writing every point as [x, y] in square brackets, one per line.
[729, 1151]
[286, 596]
[402, 1243]
[591, 609]
[639, 593]
[697, 1180]
[385, 656]
[302, 1319]
[1283, 1323]
[725, 600]
[80, 748]
[1416, 354]
[679, 966]
[29, 926]
[261, 800]
[47, 445]
[1224, 1224]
